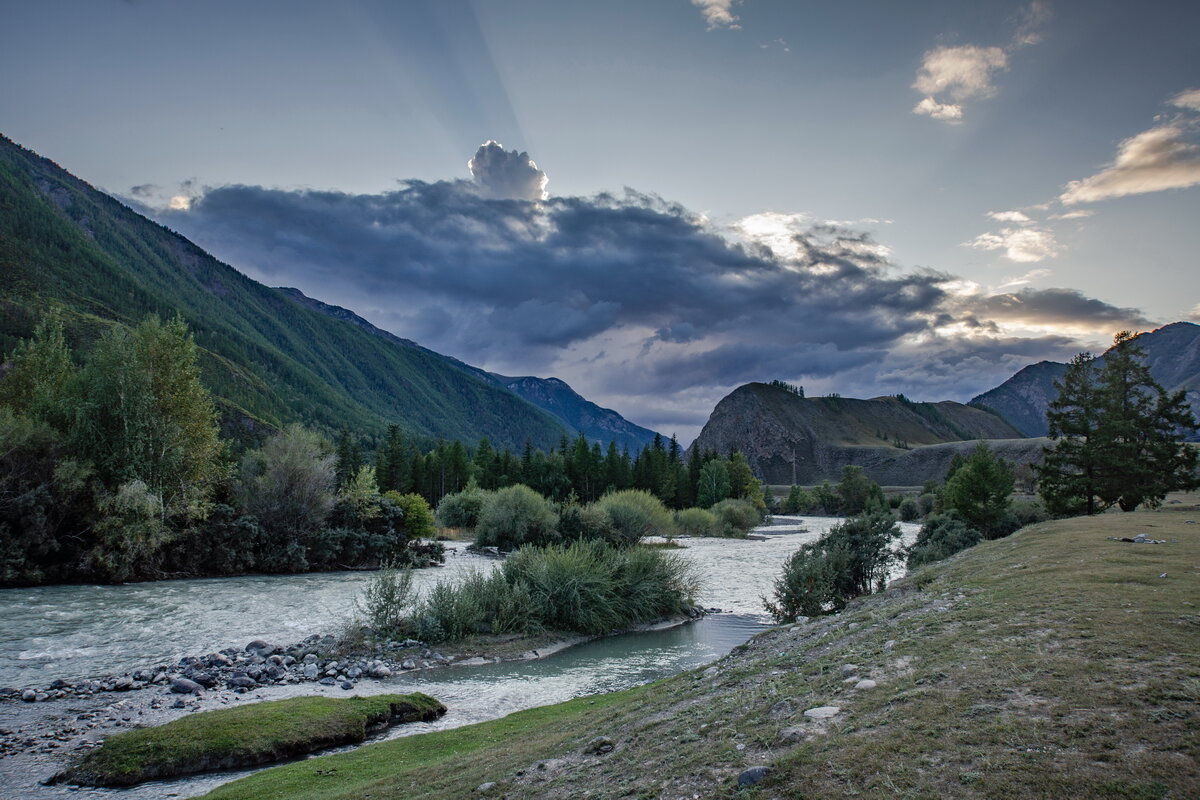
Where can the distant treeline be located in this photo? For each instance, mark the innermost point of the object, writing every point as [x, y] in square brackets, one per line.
[113, 468]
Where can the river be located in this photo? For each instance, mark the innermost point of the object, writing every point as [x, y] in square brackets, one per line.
[75, 632]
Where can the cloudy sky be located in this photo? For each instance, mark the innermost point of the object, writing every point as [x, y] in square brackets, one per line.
[658, 201]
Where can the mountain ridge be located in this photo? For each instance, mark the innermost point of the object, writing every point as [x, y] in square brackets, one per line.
[791, 439]
[267, 358]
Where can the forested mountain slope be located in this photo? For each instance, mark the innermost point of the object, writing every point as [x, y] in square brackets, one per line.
[268, 358]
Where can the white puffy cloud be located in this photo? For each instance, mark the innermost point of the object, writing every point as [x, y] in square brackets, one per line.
[947, 112]
[1189, 99]
[718, 13]
[1152, 161]
[1022, 245]
[1010, 216]
[507, 174]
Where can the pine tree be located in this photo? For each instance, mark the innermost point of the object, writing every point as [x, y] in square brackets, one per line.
[1117, 436]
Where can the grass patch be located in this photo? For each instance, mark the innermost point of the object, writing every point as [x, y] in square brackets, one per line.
[1053, 663]
[256, 733]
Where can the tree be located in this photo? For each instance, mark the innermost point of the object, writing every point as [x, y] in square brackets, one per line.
[980, 491]
[713, 486]
[1118, 436]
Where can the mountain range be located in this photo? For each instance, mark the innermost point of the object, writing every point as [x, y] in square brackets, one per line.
[270, 356]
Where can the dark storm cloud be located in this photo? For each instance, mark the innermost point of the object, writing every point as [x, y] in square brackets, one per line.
[1057, 307]
[677, 306]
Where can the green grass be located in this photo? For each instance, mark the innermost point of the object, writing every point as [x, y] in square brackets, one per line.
[1050, 664]
[256, 733]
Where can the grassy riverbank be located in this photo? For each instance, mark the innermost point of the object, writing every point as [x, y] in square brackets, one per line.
[1053, 663]
[248, 735]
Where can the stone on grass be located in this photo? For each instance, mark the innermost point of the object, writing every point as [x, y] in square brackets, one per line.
[752, 776]
[849, 669]
[599, 745]
[793, 734]
[822, 712]
[486, 787]
[865, 683]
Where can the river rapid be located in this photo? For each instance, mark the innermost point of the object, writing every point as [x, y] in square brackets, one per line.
[75, 632]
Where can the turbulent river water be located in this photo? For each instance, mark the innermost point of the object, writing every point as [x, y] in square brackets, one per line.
[74, 632]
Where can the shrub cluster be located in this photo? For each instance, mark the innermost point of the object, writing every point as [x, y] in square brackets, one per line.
[588, 587]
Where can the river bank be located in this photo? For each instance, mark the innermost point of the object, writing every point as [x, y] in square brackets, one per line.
[1053, 663]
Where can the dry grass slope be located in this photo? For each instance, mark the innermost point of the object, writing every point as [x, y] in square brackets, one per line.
[1055, 663]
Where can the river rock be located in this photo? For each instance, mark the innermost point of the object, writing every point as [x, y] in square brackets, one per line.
[327, 682]
[242, 682]
[311, 658]
[261, 649]
[380, 671]
[218, 660]
[822, 712]
[123, 684]
[408, 664]
[347, 685]
[205, 679]
[311, 671]
[29, 695]
[185, 686]
[752, 776]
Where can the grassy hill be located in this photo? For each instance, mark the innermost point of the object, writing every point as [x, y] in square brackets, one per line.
[791, 439]
[1052, 664]
[267, 357]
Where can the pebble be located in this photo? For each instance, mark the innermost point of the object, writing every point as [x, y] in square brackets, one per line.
[486, 787]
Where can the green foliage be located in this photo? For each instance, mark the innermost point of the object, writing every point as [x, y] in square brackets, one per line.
[798, 501]
[289, 483]
[577, 522]
[908, 510]
[979, 491]
[461, 509]
[858, 493]
[736, 517]
[1117, 436]
[635, 513]
[418, 517]
[697, 522]
[852, 559]
[714, 484]
[941, 536]
[515, 516]
[586, 586]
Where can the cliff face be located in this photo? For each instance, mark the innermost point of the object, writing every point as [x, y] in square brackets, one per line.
[790, 439]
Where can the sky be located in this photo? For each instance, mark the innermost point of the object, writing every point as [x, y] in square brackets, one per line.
[658, 201]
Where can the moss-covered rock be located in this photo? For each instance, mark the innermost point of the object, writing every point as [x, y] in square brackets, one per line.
[252, 734]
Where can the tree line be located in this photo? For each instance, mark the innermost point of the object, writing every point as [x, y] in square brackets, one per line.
[113, 468]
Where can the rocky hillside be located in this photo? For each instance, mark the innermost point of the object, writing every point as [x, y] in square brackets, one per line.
[791, 439]
[269, 356]
[1172, 353]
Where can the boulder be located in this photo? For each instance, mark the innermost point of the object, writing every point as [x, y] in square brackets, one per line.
[599, 746]
[185, 686]
[752, 776]
[822, 712]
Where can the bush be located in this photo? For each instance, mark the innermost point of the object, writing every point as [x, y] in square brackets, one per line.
[587, 587]
[908, 510]
[736, 517]
[462, 509]
[576, 522]
[941, 536]
[696, 522]
[515, 516]
[417, 515]
[926, 503]
[798, 501]
[1029, 512]
[635, 513]
[852, 559]
[594, 588]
